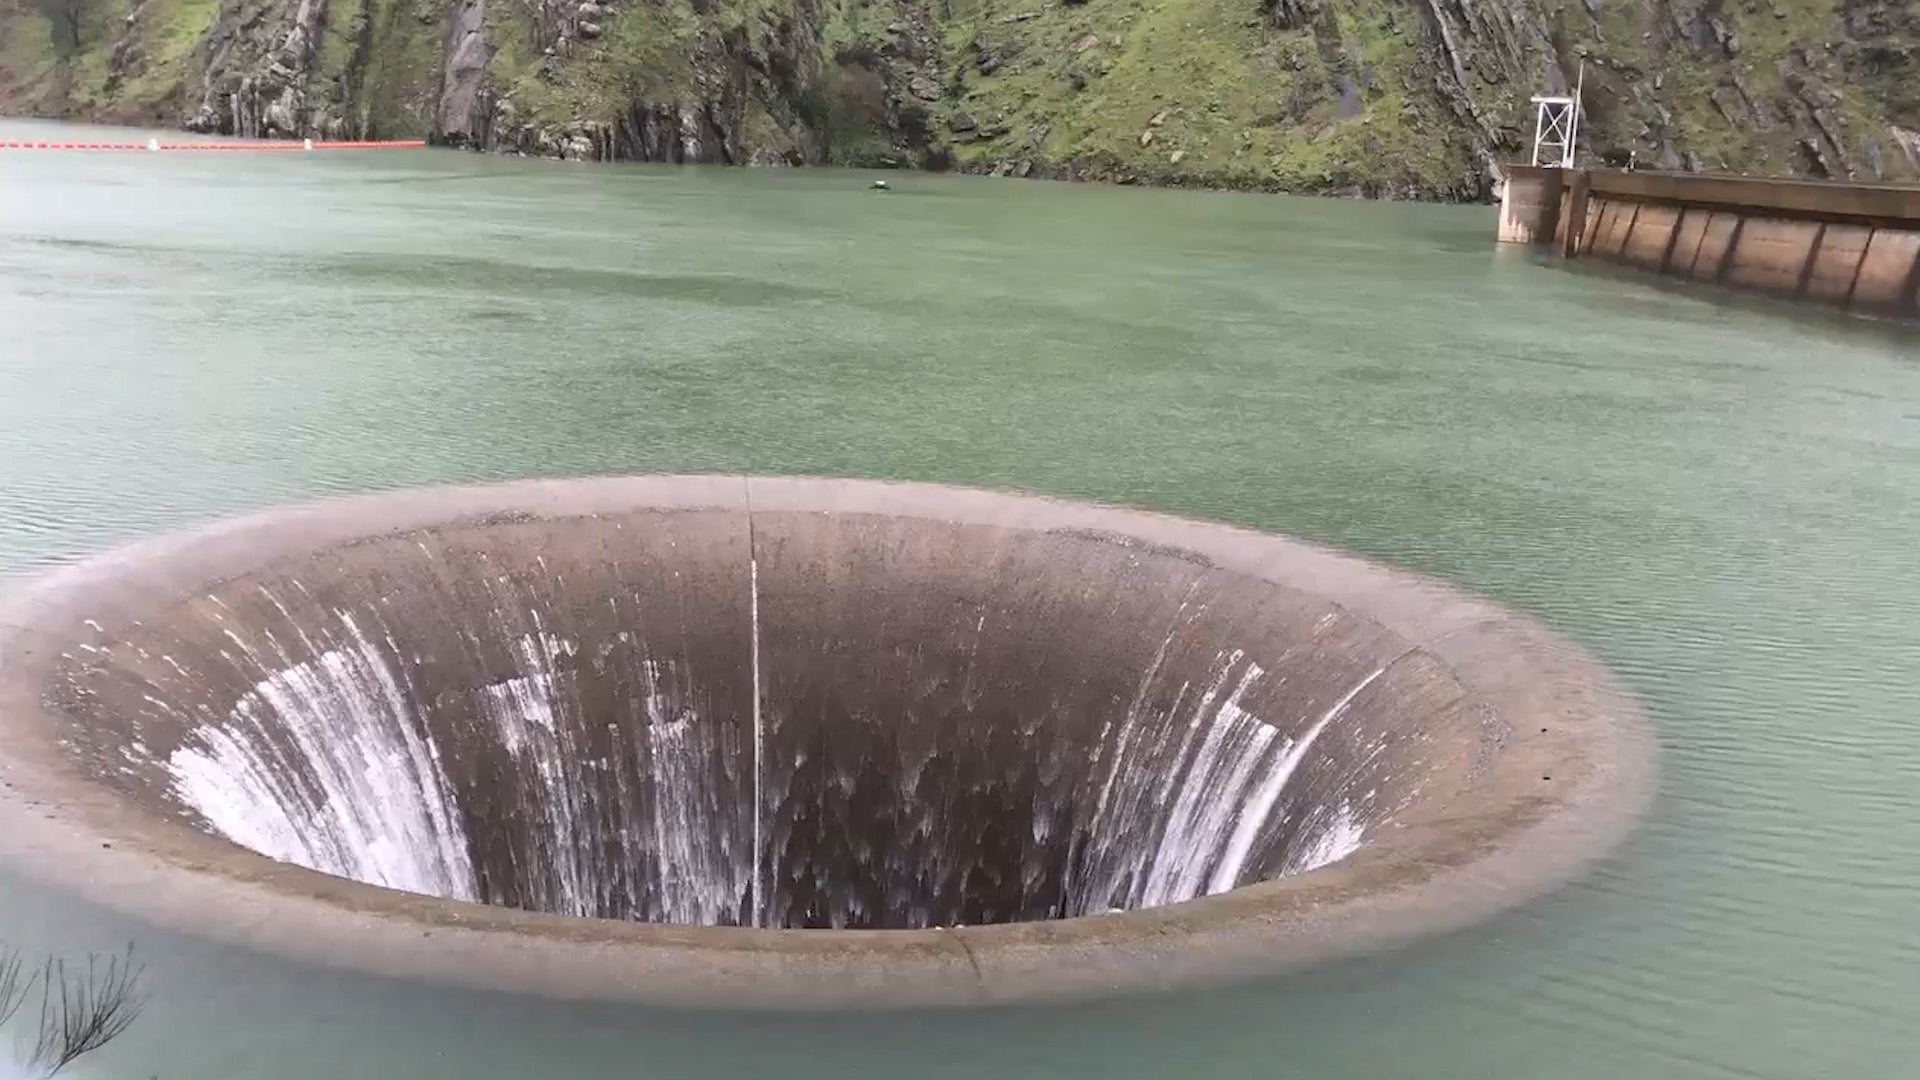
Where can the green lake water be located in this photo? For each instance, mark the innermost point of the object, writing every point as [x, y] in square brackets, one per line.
[1720, 499]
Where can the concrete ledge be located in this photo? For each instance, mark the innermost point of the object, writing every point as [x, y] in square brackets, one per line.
[1813, 200]
[1855, 246]
[1529, 204]
[1563, 764]
[1835, 260]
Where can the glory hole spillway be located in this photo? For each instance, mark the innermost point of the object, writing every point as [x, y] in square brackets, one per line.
[694, 739]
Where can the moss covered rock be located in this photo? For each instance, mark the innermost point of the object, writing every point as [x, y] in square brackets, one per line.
[1403, 98]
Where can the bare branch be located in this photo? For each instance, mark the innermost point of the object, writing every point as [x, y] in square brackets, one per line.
[81, 1011]
[16, 983]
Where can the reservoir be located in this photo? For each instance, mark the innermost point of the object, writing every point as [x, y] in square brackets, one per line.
[1713, 497]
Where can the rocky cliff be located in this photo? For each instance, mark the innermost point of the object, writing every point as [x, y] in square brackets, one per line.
[1380, 97]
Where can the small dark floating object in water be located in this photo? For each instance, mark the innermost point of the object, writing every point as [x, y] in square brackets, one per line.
[879, 185]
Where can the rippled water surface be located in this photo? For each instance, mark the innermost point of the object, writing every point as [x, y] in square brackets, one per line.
[1721, 501]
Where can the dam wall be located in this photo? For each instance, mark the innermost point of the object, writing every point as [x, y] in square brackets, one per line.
[1851, 246]
[1529, 204]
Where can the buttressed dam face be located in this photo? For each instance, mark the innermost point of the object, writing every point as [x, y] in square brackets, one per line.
[673, 738]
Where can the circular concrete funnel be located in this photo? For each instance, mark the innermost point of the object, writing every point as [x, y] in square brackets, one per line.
[792, 743]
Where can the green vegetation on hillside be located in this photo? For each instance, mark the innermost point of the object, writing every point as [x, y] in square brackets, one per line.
[1386, 97]
[1182, 91]
[132, 69]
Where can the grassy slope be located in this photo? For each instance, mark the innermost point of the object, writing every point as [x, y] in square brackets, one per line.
[642, 56]
[1350, 103]
[398, 84]
[1346, 103]
[1682, 81]
[651, 52]
[166, 34]
[391, 98]
[1244, 104]
[26, 55]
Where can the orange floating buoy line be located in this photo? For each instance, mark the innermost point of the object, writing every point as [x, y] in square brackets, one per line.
[156, 146]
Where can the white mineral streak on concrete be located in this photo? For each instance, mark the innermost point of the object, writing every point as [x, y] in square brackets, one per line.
[1124, 740]
[523, 712]
[758, 916]
[1173, 772]
[695, 876]
[1186, 794]
[1140, 833]
[323, 764]
[1338, 838]
[1253, 817]
[1209, 799]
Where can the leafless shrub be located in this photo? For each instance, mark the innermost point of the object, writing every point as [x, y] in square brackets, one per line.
[81, 1009]
[16, 983]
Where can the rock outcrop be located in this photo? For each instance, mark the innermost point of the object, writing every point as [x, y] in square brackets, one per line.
[466, 108]
[258, 63]
[1411, 98]
[709, 90]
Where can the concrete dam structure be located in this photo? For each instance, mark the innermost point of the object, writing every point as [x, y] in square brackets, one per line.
[792, 743]
[1845, 245]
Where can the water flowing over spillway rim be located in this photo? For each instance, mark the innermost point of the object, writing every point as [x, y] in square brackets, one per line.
[1182, 790]
[1518, 839]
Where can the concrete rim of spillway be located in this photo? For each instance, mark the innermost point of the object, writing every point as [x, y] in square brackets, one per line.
[1573, 770]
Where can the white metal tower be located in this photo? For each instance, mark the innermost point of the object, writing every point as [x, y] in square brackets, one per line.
[1556, 126]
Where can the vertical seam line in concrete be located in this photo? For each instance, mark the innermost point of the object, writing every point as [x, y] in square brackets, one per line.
[979, 977]
[1577, 198]
[1853, 284]
[1912, 296]
[758, 913]
[1602, 223]
[1806, 266]
[1693, 263]
[1626, 237]
[1673, 241]
[1733, 243]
